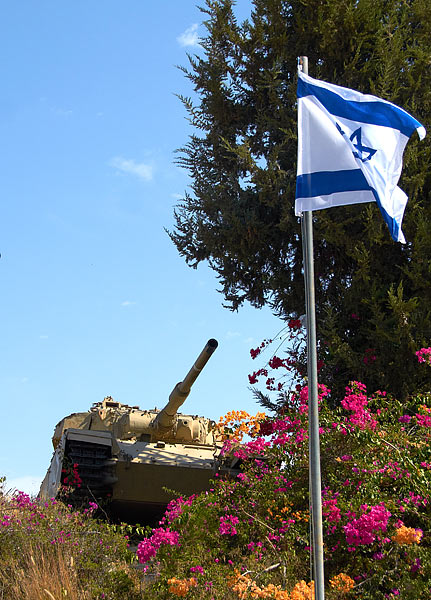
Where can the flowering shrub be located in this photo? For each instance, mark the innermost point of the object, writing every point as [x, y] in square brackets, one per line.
[293, 335]
[68, 553]
[180, 587]
[342, 583]
[407, 535]
[236, 424]
[245, 587]
[356, 401]
[70, 477]
[364, 530]
[424, 355]
[250, 534]
[227, 525]
[149, 546]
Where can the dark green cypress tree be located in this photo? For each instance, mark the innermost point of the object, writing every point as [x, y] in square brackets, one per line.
[373, 295]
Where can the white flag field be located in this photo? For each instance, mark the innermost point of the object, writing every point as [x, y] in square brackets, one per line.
[350, 150]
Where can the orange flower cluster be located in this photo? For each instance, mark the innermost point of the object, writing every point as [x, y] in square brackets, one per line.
[303, 591]
[239, 423]
[407, 535]
[298, 515]
[246, 588]
[342, 583]
[180, 587]
[301, 515]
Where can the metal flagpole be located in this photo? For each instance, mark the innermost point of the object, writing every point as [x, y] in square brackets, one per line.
[313, 412]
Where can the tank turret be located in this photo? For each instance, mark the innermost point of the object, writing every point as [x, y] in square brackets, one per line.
[137, 458]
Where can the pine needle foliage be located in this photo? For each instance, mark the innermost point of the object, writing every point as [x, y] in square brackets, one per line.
[373, 295]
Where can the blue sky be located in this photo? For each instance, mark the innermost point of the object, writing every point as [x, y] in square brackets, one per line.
[95, 299]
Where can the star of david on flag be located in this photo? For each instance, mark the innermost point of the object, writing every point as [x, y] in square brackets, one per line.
[350, 150]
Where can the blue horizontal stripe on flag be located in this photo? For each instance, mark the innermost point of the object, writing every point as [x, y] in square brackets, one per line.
[324, 183]
[375, 113]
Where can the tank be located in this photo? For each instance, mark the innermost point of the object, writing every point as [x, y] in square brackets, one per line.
[135, 461]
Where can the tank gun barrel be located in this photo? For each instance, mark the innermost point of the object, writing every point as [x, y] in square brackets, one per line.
[166, 416]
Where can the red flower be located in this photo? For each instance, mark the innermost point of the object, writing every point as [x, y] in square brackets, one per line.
[276, 362]
[294, 324]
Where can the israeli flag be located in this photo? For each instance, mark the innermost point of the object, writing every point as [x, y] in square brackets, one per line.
[350, 150]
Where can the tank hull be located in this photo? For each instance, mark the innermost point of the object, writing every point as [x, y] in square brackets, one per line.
[132, 480]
